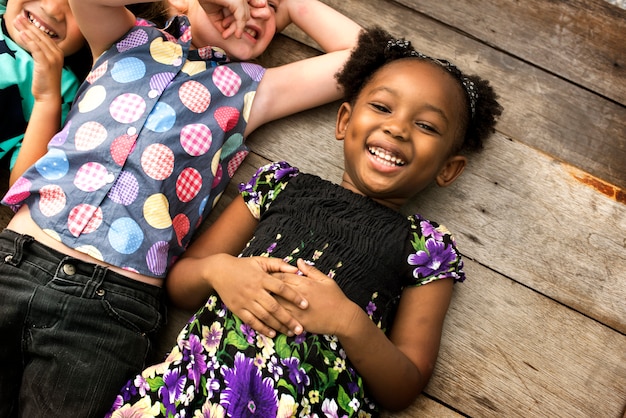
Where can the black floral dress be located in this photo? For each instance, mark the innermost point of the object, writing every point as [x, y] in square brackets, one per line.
[221, 367]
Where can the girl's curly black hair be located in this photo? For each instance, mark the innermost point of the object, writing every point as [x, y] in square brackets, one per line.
[373, 52]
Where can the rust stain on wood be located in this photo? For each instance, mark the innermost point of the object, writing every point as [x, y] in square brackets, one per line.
[602, 186]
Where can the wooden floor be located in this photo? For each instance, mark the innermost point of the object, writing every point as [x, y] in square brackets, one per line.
[539, 327]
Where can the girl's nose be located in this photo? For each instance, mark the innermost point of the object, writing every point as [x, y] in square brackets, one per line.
[54, 8]
[260, 13]
[396, 128]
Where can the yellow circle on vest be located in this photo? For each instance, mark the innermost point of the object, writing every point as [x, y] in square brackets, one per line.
[156, 211]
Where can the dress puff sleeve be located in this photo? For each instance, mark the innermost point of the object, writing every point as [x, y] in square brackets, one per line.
[267, 183]
[433, 255]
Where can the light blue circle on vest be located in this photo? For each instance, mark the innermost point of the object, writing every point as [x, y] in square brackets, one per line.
[128, 70]
[162, 118]
[203, 205]
[125, 235]
[53, 165]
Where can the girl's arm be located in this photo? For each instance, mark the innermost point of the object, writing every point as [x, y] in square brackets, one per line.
[244, 284]
[308, 83]
[397, 368]
[45, 119]
[103, 22]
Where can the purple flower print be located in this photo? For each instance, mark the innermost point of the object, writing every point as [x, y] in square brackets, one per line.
[274, 367]
[248, 332]
[117, 404]
[330, 408]
[353, 388]
[142, 386]
[271, 248]
[434, 261]
[173, 385]
[371, 307]
[197, 360]
[300, 338]
[430, 229]
[297, 375]
[128, 391]
[247, 394]
[284, 169]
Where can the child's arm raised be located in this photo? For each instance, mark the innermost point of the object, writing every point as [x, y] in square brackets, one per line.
[397, 368]
[45, 119]
[103, 22]
[244, 284]
[308, 83]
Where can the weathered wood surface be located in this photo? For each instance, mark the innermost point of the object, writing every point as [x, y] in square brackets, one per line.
[538, 329]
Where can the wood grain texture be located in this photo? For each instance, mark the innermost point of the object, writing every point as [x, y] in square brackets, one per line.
[582, 41]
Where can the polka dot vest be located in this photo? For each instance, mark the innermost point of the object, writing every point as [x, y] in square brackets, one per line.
[155, 134]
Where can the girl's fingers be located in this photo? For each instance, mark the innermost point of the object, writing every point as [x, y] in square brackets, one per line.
[310, 271]
[259, 326]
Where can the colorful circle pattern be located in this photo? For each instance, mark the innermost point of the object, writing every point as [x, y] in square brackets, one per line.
[154, 136]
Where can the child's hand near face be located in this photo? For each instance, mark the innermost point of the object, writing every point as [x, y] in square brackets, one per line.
[45, 118]
[48, 59]
[231, 16]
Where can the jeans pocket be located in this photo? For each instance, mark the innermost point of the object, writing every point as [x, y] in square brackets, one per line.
[132, 312]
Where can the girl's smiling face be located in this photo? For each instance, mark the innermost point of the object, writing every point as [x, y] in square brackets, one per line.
[52, 17]
[401, 132]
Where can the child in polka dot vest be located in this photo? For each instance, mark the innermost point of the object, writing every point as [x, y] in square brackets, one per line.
[156, 132]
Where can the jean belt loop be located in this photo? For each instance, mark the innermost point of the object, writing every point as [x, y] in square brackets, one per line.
[94, 285]
[19, 244]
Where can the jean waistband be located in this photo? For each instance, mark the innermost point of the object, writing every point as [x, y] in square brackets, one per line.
[41, 254]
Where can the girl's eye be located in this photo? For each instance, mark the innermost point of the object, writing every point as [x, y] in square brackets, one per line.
[272, 5]
[425, 126]
[380, 108]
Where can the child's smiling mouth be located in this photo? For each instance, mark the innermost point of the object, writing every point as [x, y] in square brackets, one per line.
[253, 33]
[385, 157]
[41, 26]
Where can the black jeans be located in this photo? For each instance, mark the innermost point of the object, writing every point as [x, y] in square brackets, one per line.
[73, 332]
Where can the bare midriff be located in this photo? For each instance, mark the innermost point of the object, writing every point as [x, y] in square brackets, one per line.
[22, 223]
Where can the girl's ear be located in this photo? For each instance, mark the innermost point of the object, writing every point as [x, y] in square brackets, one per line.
[343, 119]
[451, 169]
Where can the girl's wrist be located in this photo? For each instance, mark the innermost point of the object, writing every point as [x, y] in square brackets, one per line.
[349, 319]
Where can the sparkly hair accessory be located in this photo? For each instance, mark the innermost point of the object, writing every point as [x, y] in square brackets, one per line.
[405, 47]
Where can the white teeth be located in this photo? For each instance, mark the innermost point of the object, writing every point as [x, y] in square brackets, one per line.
[385, 157]
[41, 27]
[251, 32]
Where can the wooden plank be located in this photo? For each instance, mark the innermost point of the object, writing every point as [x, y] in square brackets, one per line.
[583, 41]
[423, 407]
[508, 351]
[542, 110]
[515, 210]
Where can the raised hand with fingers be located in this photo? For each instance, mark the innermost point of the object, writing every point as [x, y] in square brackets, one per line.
[230, 16]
